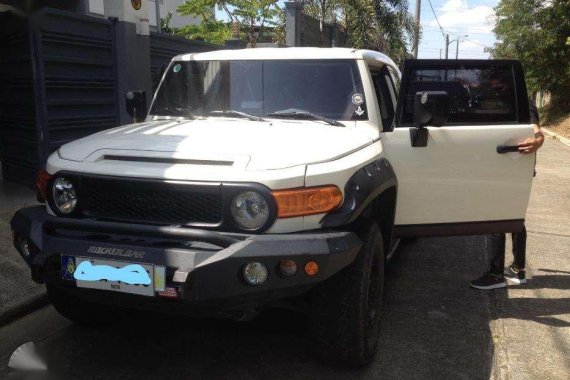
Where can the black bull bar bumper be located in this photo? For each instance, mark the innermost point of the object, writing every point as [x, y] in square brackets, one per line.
[202, 265]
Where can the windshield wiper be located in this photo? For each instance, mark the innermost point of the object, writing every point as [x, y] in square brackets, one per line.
[237, 114]
[301, 114]
[176, 112]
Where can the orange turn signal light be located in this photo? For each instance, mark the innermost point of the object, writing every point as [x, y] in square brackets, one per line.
[311, 268]
[42, 180]
[307, 201]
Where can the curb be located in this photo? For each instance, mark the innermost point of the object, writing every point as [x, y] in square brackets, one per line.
[25, 308]
[556, 136]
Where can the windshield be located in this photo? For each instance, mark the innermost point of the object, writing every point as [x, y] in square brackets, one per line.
[329, 88]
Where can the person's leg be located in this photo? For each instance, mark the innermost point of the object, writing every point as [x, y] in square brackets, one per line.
[496, 246]
[519, 250]
[494, 279]
[516, 273]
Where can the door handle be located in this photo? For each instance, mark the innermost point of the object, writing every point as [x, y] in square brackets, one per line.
[502, 149]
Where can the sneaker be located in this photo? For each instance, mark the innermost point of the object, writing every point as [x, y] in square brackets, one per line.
[489, 281]
[515, 276]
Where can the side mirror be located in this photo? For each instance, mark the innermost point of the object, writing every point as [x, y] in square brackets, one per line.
[136, 105]
[431, 108]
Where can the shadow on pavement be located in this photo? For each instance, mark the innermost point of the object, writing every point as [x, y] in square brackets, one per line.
[537, 310]
[548, 282]
[553, 271]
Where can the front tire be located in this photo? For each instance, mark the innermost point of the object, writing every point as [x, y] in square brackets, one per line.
[346, 309]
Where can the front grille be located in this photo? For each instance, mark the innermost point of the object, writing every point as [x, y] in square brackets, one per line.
[150, 201]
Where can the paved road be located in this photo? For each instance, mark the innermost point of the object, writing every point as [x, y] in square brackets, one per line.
[17, 293]
[434, 326]
[533, 322]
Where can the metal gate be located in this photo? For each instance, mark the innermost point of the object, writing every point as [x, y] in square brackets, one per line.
[18, 132]
[60, 87]
[58, 83]
[164, 47]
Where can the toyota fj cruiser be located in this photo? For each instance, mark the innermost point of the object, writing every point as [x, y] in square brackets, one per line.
[267, 177]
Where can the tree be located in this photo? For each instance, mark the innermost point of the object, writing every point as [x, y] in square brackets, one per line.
[254, 16]
[165, 25]
[537, 32]
[383, 25]
[323, 10]
[209, 29]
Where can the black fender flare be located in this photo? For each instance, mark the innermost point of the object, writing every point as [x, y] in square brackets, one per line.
[360, 190]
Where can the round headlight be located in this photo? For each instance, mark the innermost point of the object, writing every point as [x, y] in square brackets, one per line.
[64, 196]
[250, 211]
[255, 273]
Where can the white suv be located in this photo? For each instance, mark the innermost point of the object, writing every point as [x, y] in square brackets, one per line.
[268, 177]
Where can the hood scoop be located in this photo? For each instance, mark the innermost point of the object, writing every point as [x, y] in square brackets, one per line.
[166, 160]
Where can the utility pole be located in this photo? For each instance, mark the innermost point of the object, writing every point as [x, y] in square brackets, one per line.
[157, 10]
[457, 49]
[446, 46]
[417, 36]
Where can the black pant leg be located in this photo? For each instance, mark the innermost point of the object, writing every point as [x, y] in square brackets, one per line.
[496, 247]
[519, 249]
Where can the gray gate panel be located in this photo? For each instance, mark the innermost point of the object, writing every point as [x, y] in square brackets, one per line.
[59, 84]
[164, 47]
[18, 133]
[77, 65]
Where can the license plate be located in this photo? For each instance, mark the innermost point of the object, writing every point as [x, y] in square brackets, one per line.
[106, 275]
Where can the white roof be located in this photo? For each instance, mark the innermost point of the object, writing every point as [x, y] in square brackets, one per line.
[286, 53]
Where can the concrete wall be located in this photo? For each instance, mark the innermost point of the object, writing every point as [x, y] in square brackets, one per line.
[98, 7]
[303, 30]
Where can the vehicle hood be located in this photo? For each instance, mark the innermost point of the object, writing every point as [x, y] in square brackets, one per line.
[246, 144]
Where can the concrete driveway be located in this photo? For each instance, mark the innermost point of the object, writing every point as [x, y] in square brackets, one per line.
[434, 326]
[532, 322]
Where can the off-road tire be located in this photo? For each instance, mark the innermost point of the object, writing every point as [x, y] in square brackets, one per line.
[81, 311]
[346, 309]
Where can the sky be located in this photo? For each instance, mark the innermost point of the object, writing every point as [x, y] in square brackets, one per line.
[458, 18]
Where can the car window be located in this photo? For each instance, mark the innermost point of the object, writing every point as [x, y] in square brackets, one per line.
[395, 80]
[385, 94]
[477, 94]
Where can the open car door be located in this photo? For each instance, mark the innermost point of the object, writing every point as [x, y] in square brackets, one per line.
[464, 175]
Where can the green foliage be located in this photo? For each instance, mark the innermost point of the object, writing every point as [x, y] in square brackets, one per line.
[214, 32]
[537, 32]
[165, 24]
[198, 8]
[322, 10]
[280, 30]
[384, 25]
[209, 30]
[254, 16]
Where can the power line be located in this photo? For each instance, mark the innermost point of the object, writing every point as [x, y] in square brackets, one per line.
[436, 19]
[435, 28]
[456, 34]
[467, 39]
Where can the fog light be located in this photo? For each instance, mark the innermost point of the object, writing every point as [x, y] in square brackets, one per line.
[255, 273]
[288, 268]
[311, 268]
